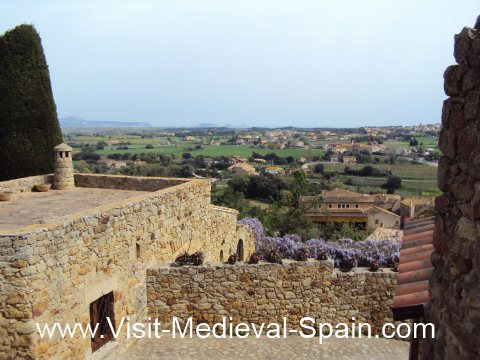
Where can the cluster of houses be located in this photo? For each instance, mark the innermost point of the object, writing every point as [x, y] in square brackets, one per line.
[356, 148]
[118, 164]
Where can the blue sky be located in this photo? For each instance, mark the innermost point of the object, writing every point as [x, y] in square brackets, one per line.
[274, 63]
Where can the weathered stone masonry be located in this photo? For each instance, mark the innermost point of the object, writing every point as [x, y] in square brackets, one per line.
[266, 293]
[455, 284]
[52, 272]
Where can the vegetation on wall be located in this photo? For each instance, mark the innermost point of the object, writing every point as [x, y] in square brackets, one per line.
[29, 127]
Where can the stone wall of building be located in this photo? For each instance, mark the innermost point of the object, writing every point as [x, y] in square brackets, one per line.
[52, 272]
[265, 293]
[455, 284]
[227, 242]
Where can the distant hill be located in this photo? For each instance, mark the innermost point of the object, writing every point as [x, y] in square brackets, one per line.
[75, 121]
[208, 125]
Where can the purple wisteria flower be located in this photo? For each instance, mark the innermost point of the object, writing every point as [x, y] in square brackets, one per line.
[386, 253]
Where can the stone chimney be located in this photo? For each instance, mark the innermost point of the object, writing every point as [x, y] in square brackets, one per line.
[63, 168]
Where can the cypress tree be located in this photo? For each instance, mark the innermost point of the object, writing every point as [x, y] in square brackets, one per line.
[29, 127]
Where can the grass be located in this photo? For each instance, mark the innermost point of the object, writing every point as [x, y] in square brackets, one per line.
[428, 141]
[260, 204]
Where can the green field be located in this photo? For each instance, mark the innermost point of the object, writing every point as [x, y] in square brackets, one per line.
[424, 141]
[405, 171]
[417, 180]
[221, 150]
[428, 141]
[246, 151]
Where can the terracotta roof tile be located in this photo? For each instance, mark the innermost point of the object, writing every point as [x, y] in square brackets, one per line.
[414, 269]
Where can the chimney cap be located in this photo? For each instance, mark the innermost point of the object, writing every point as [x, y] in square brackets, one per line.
[62, 147]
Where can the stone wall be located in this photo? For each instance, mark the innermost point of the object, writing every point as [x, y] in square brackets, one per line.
[455, 283]
[24, 185]
[52, 272]
[268, 292]
[126, 182]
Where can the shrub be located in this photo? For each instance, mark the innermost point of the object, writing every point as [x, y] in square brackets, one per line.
[182, 259]
[254, 258]
[301, 254]
[374, 265]
[348, 264]
[319, 168]
[393, 183]
[273, 257]
[232, 259]
[196, 259]
[322, 255]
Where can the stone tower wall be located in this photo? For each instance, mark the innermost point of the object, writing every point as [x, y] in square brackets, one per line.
[455, 284]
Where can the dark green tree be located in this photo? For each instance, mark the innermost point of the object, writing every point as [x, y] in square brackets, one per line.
[29, 127]
[393, 183]
[319, 168]
[287, 214]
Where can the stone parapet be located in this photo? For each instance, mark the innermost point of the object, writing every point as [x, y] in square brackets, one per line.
[121, 182]
[23, 185]
[266, 293]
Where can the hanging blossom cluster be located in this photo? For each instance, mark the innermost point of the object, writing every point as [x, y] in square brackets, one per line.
[364, 253]
[385, 252]
[257, 228]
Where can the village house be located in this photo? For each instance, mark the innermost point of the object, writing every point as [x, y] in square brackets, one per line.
[345, 206]
[242, 168]
[349, 159]
[356, 148]
[114, 164]
[381, 218]
[334, 158]
[139, 162]
[339, 149]
[410, 206]
[236, 160]
[390, 202]
[278, 145]
[274, 170]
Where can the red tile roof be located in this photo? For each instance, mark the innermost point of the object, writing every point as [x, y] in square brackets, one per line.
[414, 269]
